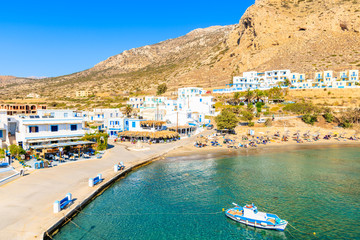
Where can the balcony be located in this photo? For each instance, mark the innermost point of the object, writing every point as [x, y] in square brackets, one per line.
[54, 135]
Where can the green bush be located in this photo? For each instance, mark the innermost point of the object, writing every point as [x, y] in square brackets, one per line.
[346, 124]
[301, 108]
[251, 124]
[161, 89]
[329, 117]
[242, 103]
[309, 119]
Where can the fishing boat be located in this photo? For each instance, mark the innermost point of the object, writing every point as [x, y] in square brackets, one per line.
[249, 215]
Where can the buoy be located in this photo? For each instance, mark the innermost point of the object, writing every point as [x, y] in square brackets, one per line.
[223, 209]
[314, 233]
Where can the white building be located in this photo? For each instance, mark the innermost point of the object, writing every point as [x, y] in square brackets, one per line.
[154, 102]
[48, 127]
[256, 80]
[327, 79]
[191, 106]
[298, 80]
[136, 102]
[114, 126]
[101, 116]
[4, 136]
[188, 92]
[270, 79]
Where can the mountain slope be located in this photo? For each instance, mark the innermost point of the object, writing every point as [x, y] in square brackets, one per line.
[301, 35]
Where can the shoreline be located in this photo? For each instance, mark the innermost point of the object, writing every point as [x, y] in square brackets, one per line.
[54, 229]
[190, 150]
[34, 218]
[42, 187]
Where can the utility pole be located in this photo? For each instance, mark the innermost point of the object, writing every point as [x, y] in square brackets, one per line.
[177, 121]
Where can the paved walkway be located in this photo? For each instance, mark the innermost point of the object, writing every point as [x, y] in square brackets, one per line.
[26, 204]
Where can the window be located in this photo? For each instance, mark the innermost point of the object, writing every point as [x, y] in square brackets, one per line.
[133, 124]
[33, 129]
[54, 128]
[66, 115]
[111, 114]
[73, 127]
[111, 122]
[1, 134]
[117, 114]
[116, 122]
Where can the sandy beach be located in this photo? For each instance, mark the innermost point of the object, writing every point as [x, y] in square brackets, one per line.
[26, 204]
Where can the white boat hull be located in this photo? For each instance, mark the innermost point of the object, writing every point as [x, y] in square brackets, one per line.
[253, 223]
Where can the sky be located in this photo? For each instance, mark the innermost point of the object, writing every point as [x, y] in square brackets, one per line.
[52, 38]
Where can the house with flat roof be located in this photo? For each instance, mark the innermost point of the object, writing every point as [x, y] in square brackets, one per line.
[48, 127]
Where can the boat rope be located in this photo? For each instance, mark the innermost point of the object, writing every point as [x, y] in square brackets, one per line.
[314, 233]
[139, 214]
[87, 231]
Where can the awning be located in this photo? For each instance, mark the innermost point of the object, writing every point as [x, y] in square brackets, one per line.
[64, 144]
[51, 139]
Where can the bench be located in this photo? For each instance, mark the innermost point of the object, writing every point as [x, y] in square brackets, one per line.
[64, 202]
[59, 205]
[39, 165]
[96, 180]
[119, 167]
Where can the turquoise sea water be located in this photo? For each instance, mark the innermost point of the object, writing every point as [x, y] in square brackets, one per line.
[182, 198]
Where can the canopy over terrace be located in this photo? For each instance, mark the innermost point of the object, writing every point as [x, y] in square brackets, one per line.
[148, 124]
[150, 135]
[185, 129]
[64, 144]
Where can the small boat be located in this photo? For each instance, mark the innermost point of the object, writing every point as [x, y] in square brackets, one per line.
[249, 215]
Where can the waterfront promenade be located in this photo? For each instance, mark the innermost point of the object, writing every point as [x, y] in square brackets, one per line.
[26, 204]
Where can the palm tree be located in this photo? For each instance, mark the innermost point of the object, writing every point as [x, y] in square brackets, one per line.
[128, 110]
[249, 95]
[259, 95]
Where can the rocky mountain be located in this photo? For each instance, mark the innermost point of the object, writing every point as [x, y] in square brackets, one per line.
[301, 35]
[9, 81]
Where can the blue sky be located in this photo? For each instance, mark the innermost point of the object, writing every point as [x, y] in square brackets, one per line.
[52, 38]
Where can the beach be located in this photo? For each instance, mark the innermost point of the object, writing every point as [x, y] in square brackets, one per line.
[185, 197]
[27, 202]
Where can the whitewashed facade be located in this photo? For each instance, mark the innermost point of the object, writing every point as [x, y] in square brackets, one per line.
[270, 79]
[47, 127]
[136, 102]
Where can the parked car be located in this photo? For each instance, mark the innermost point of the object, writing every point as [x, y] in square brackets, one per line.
[209, 127]
[261, 120]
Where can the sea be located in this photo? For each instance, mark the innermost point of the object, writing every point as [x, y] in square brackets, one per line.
[316, 190]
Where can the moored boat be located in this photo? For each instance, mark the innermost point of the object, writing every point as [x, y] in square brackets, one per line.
[249, 215]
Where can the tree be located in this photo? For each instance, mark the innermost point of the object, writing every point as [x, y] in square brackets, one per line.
[161, 89]
[259, 95]
[247, 115]
[128, 110]
[249, 95]
[287, 83]
[100, 138]
[16, 150]
[226, 120]
[236, 95]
